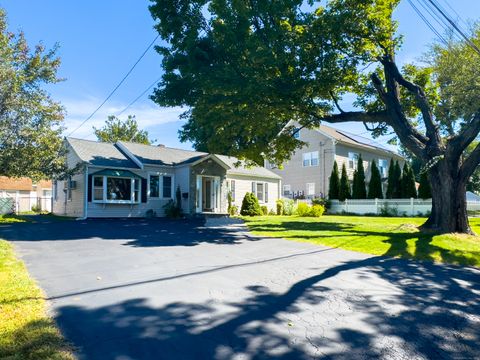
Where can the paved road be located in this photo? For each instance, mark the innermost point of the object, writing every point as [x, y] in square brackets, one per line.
[159, 289]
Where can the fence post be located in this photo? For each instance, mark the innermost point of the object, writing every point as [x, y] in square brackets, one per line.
[346, 205]
[376, 206]
[412, 207]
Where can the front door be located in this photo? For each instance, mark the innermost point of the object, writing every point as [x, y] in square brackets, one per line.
[207, 194]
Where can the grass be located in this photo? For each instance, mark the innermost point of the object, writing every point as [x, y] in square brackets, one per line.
[397, 237]
[8, 219]
[26, 332]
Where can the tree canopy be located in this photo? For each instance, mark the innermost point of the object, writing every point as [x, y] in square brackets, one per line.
[375, 185]
[116, 129]
[30, 120]
[358, 189]
[244, 69]
[344, 190]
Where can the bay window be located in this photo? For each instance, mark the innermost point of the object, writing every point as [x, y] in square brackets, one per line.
[111, 189]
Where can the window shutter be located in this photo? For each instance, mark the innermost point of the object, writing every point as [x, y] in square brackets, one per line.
[266, 192]
[144, 190]
[254, 188]
[89, 188]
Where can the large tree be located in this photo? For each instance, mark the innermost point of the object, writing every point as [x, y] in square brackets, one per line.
[358, 189]
[30, 120]
[334, 183]
[116, 129]
[244, 69]
[375, 185]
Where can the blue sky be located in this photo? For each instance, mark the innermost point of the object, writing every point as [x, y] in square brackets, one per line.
[100, 40]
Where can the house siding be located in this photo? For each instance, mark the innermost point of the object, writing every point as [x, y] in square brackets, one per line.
[182, 175]
[243, 184]
[297, 176]
[75, 206]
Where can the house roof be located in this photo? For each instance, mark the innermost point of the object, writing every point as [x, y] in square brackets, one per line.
[162, 155]
[22, 184]
[100, 153]
[117, 155]
[353, 139]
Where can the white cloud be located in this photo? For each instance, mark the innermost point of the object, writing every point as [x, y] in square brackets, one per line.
[148, 115]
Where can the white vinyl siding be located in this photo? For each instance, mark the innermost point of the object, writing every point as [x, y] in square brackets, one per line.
[310, 189]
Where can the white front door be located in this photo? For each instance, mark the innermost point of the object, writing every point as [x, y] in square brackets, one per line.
[208, 194]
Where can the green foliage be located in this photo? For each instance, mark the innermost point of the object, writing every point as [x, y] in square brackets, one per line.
[375, 184]
[272, 212]
[424, 189]
[394, 187]
[250, 205]
[334, 183]
[391, 180]
[280, 207]
[322, 201]
[117, 130]
[408, 183]
[233, 210]
[264, 210]
[31, 122]
[173, 208]
[359, 191]
[344, 191]
[317, 211]
[289, 207]
[303, 209]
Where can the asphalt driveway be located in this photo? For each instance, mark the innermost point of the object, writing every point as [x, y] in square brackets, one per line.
[159, 289]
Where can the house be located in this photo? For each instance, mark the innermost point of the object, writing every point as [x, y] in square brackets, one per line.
[307, 173]
[26, 194]
[127, 180]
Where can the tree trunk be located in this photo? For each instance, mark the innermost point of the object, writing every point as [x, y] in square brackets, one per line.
[449, 203]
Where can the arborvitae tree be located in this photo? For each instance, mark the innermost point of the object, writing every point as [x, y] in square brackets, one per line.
[408, 183]
[375, 184]
[424, 190]
[359, 190]
[344, 190]
[397, 189]
[391, 180]
[334, 185]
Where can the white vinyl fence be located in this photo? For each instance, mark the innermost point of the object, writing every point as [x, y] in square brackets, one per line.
[19, 204]
[409, 207]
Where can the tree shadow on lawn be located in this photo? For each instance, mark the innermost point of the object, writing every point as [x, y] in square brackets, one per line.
[400, 241]
[432, 312]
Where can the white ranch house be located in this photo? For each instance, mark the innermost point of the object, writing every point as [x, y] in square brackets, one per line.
[127, 180]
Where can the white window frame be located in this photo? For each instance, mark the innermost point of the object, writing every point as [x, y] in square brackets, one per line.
[308, 193]
[353, 160]
[309, 157]
[132, 190]
[231, 189]
[172, 186]
[287, 189]
[265, 196]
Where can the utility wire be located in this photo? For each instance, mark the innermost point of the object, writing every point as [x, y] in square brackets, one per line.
[139, 96]
[116, 87]
[425, 20]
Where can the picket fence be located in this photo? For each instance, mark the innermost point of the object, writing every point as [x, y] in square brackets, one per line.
[408, 207]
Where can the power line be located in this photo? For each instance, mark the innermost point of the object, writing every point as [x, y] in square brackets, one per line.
[425, 20]
[139, 96]
[116, 87]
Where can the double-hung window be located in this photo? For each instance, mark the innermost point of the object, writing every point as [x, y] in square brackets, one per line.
[98, 188]
[232, 189]
[310, 189]
[287, 190]
[154, 186]
[310, 159]
[260, 190]
[352, 160]
[383, 167]
[167, 186]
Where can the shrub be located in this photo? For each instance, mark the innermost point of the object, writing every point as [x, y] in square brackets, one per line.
[326, 203]
[316, 210]
[150, 213]
[272, 212]
[303, 209]
[280, 207]
[250, 205]
[172, 210]
[289, 207]
[233, 210]
[36, 208]
[334, 183]
[264, 210]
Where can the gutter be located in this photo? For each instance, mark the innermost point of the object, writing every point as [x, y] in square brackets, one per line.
[85, 197]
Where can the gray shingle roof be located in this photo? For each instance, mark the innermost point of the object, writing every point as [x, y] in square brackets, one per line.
[101, 154]
[156, 155]
[242, 169]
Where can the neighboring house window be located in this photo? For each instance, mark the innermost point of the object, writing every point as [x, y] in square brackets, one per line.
[352, 160]
[232, 189]
[383, 167]
[310, 159]
[287, 190]
[98, 188]
[296, 133]
[116, 190]
[167, 186]
[154, 184]
[310, 189]
[47, 193]
[260, 190]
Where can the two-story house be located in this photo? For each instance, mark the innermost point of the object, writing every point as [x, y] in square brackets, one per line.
[308, 172]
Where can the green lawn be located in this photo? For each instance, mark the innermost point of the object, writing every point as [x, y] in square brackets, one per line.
[26, 332]
[397, 237]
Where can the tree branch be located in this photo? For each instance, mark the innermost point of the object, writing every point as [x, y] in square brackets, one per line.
[335, 100]
[458, 143]
[470, 164]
